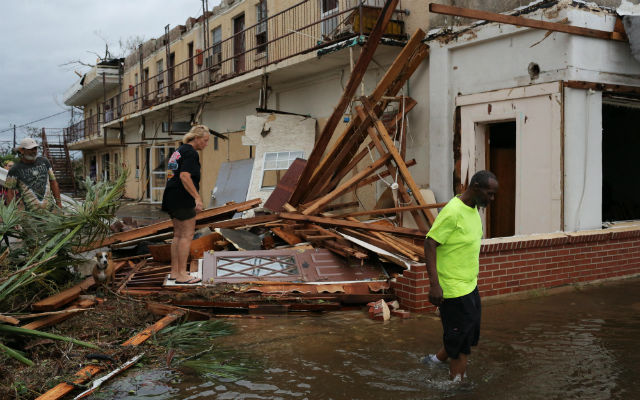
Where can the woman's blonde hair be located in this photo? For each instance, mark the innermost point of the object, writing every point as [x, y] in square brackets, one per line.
[196, 131]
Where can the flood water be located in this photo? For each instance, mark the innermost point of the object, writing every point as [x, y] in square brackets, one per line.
[578, 344]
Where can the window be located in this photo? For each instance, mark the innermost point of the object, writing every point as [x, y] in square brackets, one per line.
[145, 82]
[275, 165]
[160, 77]
[135, 84]
[216, 47]
[261, 28]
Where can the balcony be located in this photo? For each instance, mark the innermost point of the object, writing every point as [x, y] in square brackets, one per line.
[308, 26]
[87, 134]
[93, 85]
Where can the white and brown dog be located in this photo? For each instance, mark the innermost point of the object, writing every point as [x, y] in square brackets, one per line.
[103, 270]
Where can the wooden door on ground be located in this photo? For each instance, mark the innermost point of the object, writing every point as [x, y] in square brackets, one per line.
[238, 44]
[501, 160]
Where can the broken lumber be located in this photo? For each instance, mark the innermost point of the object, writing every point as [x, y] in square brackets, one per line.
[391, 210]
[202, 217]
[350, 224]
[158, 326]
[81, 305]
[68, 295]
[357, 74]
[526, 22]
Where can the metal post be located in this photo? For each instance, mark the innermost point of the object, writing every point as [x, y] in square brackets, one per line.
[14, 136]
[168, 51]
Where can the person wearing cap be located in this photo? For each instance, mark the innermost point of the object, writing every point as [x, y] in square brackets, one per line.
[32, 177]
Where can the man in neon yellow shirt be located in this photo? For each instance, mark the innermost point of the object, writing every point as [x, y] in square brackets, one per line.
[452, 250]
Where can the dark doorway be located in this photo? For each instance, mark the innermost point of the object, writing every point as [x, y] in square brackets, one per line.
[620, 142]
[238, 44]
[501, 160]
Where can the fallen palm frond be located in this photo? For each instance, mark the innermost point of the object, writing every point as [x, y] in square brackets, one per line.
[45, 244]
[193, 341]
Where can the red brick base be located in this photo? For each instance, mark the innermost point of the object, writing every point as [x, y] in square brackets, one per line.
[514, 265]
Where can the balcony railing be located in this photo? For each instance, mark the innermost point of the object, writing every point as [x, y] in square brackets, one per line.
[88, 128]
[304, 27]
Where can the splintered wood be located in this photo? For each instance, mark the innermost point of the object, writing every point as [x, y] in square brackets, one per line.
[310, 213]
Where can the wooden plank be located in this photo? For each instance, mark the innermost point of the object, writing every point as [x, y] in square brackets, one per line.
[241, 222]
[286, 186]
[158, 326]
[522, 21]
[402, 191]
[406, 175]
[168, 225]
[350, 224]
[130, 275]
[366, 55]
[602, 87]
[68, 295]
[54, 319]
[288, 237]
[391, 210]
[372, 179]
[7, 319]
[396, 74]
[324, 200]
[63, 388]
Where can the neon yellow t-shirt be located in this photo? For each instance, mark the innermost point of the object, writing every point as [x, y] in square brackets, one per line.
[458, 229]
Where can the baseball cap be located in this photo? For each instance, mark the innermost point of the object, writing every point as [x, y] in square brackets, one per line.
[27, 143]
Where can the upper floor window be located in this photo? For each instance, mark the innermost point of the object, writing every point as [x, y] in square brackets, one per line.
[160, 77]
[261, 28]
[216, 46]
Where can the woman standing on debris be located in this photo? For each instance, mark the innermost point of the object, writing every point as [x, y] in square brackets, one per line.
[182, 200]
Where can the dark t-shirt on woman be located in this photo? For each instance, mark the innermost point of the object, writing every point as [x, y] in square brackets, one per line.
[184, 159]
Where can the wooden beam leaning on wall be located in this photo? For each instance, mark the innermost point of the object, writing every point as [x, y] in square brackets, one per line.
[352, 137]
[406, 175]
[527, 22]
[402, 191]
[352, 85]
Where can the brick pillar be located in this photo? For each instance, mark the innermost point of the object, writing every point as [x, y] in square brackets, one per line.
[412, 289]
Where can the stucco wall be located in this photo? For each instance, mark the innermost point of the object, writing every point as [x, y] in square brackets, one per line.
[286, 133]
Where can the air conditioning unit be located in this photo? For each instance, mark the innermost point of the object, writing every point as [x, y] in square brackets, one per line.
[214, 61]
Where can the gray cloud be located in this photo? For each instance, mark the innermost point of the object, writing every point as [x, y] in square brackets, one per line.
[37, 36]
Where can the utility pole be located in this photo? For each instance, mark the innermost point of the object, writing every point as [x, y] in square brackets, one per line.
[14, 136]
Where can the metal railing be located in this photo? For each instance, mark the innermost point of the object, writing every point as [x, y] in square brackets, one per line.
[299, 29]
[86, 129]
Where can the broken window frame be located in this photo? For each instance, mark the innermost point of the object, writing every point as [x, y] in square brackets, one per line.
[291, 157]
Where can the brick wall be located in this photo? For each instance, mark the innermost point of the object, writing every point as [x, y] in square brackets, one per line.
[519, 264]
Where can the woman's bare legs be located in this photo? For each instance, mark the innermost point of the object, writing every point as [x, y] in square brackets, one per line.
[182, 236]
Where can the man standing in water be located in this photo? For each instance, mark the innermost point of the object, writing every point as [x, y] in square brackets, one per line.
[452, 250]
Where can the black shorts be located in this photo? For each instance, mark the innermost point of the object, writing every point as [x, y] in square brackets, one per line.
[460, 323]
[182, 214]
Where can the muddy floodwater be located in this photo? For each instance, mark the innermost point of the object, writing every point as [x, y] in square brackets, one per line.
[578, 344]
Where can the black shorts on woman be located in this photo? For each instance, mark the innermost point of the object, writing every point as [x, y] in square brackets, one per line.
[176, 200]
[461, 323]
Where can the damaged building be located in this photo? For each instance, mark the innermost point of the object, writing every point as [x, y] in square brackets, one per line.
[543, 94]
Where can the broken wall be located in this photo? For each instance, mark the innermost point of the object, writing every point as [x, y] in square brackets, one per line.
[271, 132]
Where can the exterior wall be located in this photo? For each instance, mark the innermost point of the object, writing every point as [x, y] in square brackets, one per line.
[537, 262]
[537, 112]
[286, 133]
[475, 61]
[582, 160]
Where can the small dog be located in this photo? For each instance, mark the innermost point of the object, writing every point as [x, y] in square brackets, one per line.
[103, 270]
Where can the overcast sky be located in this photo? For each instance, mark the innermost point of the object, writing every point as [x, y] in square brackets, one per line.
[38, 36]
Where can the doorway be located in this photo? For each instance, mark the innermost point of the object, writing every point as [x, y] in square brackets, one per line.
[501, 160]
[238, 44]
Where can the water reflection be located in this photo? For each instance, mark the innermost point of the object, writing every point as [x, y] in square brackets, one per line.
[575, 345]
